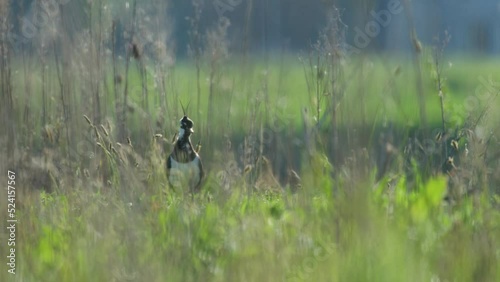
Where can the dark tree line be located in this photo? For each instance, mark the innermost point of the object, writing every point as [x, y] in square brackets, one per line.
[260, 24]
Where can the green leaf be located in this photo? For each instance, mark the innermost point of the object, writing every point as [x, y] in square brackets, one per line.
[435, 190]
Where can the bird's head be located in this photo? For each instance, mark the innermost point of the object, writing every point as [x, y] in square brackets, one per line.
[186, 128]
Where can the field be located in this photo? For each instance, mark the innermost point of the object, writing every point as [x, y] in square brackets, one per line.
[105, 218]
[398, 160]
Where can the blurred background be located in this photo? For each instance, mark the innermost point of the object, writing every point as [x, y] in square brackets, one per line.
[285, 25]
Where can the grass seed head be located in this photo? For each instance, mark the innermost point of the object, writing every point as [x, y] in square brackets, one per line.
[454, 144]
[88, 120]
[100, 145]
[97, 135]
[294, 180]
[417, 45]
[248, 168]
[438, 137]
[451, 162]
[49, 133]
[104, 130]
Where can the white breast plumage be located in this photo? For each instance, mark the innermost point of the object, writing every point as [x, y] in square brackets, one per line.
[184, 174]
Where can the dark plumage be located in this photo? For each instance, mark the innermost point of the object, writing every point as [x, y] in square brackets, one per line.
[184, 166]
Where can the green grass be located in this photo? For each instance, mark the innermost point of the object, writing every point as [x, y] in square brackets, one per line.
[360, 234]
[377, 86]
[111, 220]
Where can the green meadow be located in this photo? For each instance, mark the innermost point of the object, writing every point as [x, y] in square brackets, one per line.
[109, 215]
[320, 166]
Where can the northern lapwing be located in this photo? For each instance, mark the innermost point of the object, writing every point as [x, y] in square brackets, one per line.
[184, 166]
